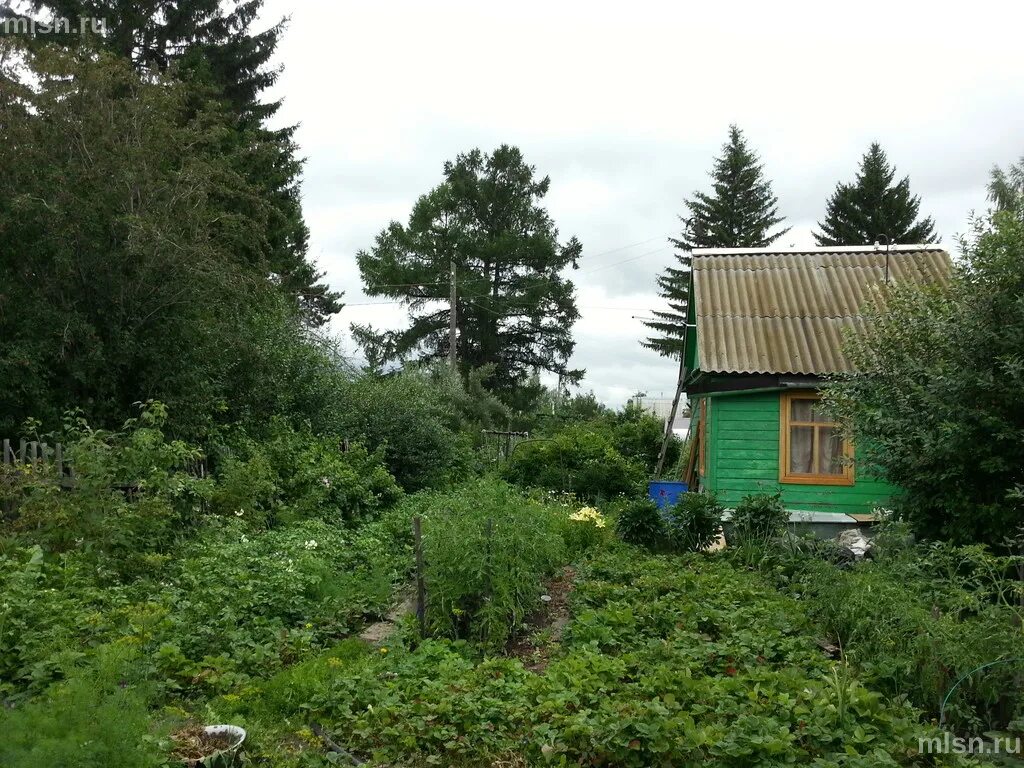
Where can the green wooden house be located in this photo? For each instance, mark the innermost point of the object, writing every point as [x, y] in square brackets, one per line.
[765, 329]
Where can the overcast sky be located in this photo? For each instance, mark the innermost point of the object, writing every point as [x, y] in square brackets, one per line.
[624, 106]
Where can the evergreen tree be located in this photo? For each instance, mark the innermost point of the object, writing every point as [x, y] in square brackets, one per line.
[874, 208]
[740, 212]
[514, 310]
[670, 326]
[212, 44]
[130, 272]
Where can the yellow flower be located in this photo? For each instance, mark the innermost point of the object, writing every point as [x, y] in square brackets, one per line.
[383, 650]
[334, 661]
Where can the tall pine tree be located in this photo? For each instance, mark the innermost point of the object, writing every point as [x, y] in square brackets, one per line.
[740, 212]
[873, 208]
[213, 45]
[514, 310]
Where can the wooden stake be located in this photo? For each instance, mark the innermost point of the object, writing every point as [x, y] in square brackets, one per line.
[421, 586]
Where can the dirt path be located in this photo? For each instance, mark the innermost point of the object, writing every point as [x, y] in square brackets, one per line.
[380, 631]
[537, 644]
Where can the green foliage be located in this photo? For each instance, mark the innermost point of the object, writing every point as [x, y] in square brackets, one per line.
[638, 435]
[212, 49]
[487, 548]
[669, 326]
[758, 518]
[665, 662]
[411, 420]
[232, 605]
[1006, 188]
[99, 716]
[514, 311]
[139, 273]
[872, 208]
[741, 211]
[639, 521]
[694, 521]
[919, 619]
[294, 474]
[132, 497]
[579, 460]
[938, 410]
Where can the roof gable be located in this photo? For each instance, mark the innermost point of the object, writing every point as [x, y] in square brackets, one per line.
[785, 311]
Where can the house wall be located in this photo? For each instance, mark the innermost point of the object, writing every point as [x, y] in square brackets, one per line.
[742, 457]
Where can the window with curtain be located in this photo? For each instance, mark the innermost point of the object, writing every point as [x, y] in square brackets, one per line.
[812, 448]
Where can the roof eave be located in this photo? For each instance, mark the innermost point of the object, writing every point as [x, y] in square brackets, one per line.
[820, 249]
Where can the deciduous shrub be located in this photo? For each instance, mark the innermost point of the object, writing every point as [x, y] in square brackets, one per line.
[577, 460]
[410, 419]
[132, 495]
[639, 521]
[758, 518]
[296, 475]
[937, 409]
[694, 521]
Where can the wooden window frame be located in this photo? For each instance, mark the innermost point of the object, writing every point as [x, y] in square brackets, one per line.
[786, 422]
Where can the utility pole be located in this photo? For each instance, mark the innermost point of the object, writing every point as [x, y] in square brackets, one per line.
[452, 323]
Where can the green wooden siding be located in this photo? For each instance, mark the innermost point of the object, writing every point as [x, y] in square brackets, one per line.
[742, 457]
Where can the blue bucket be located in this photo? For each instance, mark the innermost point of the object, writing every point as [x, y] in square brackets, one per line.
[665, 493]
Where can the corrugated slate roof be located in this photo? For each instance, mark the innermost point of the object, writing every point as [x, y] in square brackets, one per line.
[786, 311]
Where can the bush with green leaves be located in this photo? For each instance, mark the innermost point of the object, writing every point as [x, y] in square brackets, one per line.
[578, 460]
[296, 475]
[132, 495]
[638, 435]
[695, 521]
[413, 421]
[937, 410]
[488, 548]
[758, 518]
[639, 521]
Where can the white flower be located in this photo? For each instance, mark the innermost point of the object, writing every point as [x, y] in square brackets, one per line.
[311, 544]
[239, 512]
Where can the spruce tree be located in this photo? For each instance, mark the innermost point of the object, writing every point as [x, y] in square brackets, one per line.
[874, 208]
[740, 212]
[212, 45]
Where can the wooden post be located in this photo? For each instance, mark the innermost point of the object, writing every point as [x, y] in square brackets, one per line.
[421, 586]
[672, 416]
[8, 457]
[22, 446]
[489, 534]
[453, 358]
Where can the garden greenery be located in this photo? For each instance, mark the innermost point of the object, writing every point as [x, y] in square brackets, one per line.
[939, 409]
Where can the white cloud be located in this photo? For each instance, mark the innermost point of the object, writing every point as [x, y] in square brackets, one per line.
[624, 106]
